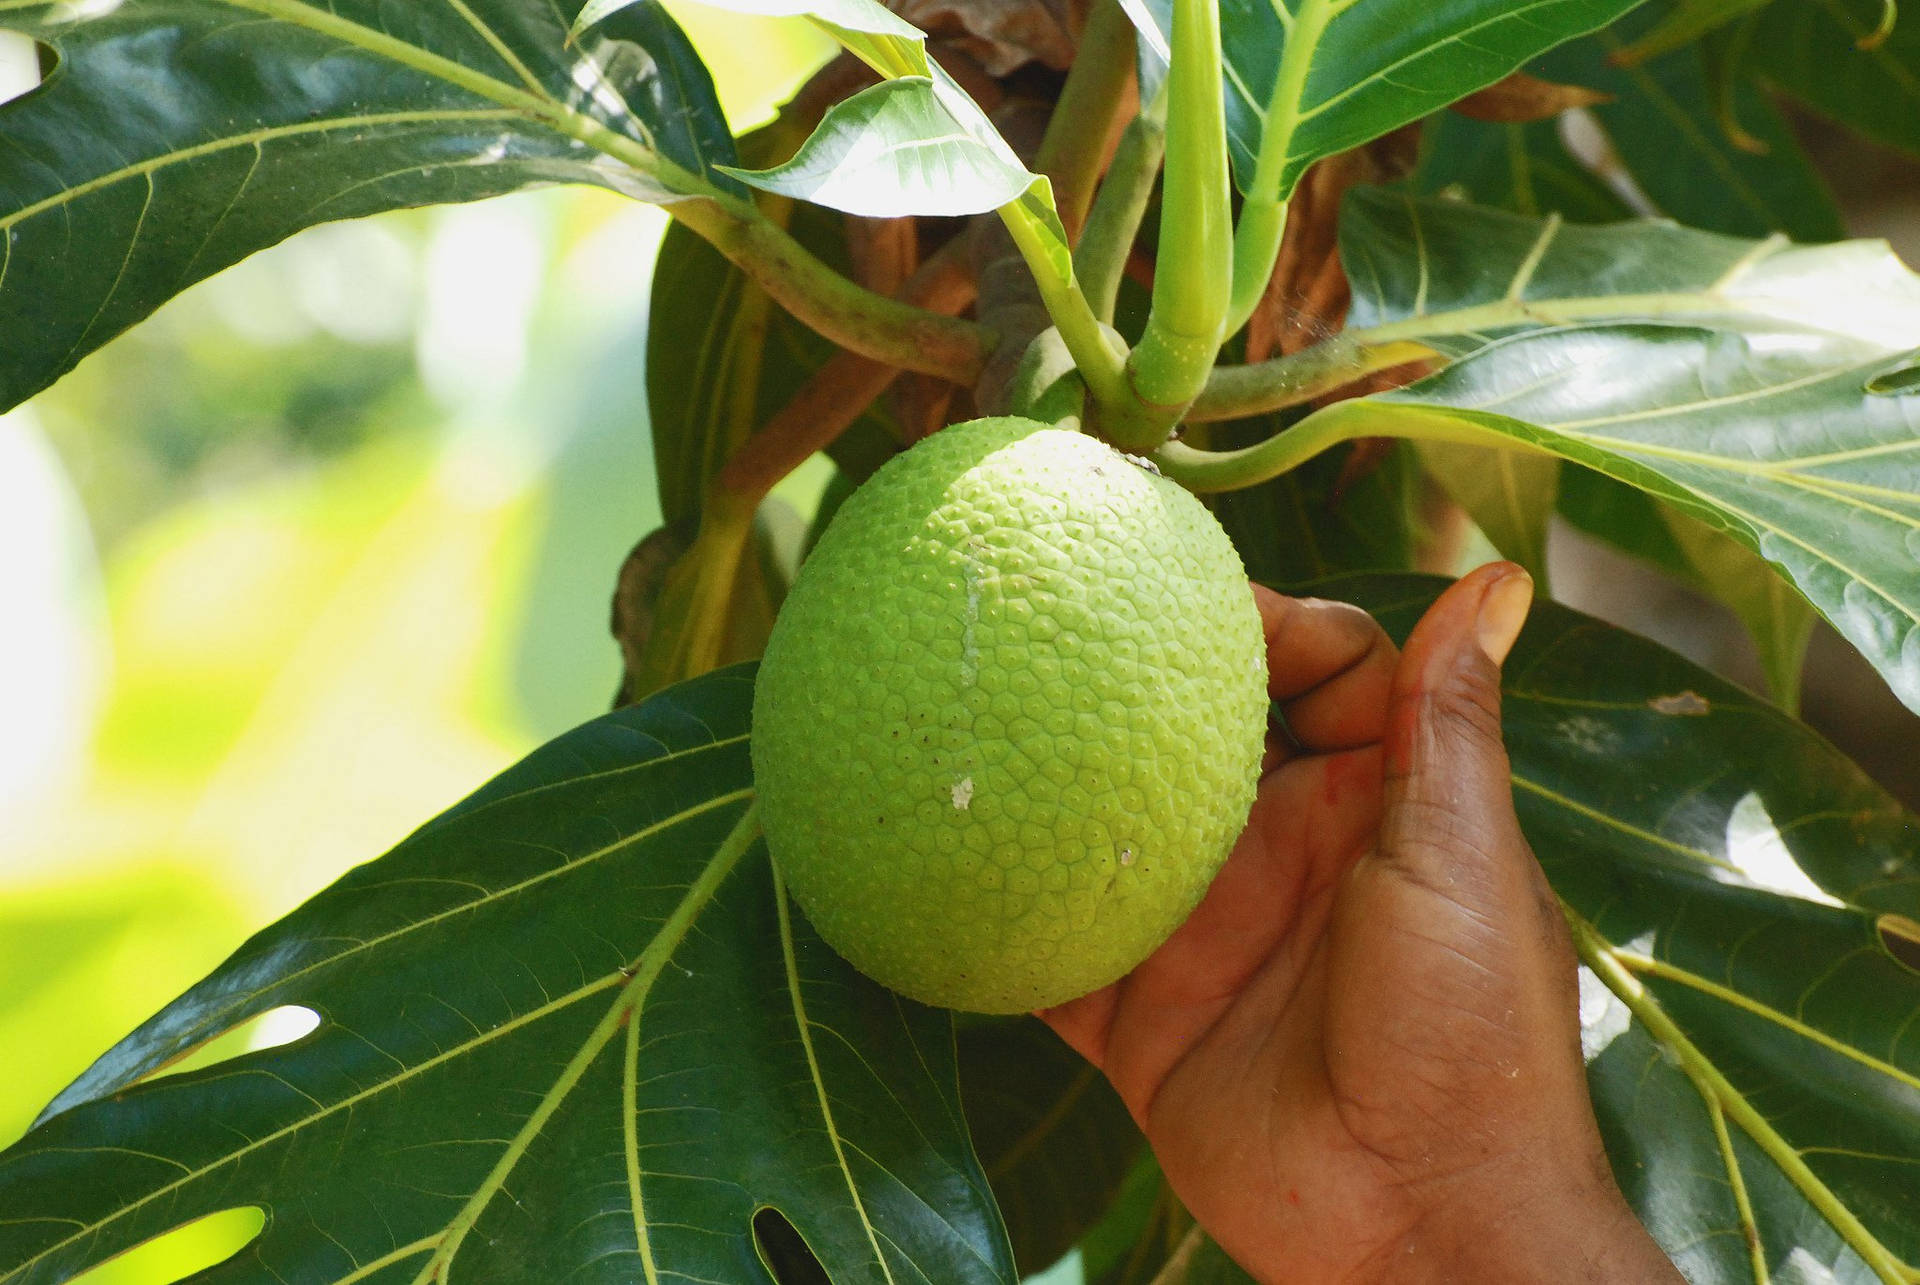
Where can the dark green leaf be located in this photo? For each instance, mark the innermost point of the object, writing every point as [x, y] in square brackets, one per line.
[1525, 168]
[1313, 77]
[1683, 22]
[1624, 516]
[1811, 49]
[1056, 1140]
[570, 1029]
[1677, 814]
[1667, 138]
[1332, 515]
[1117, 1242]
[179, 136]
[1662, 124]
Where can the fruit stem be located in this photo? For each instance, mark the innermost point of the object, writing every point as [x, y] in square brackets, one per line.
[1193, 273]
[1100, 259]
[1097, 351]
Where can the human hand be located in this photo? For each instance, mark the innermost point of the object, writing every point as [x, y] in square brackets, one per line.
[1359, 1059]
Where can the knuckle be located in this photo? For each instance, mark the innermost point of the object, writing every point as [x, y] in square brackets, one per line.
[1465, 708]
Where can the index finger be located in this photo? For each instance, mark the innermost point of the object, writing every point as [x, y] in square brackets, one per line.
[1329, 666]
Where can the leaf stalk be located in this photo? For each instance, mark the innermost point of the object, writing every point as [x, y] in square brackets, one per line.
[1100, 259]
[1598, 955]
[1096, 90]
[1097, 351]
[850, 315]
[1263, 216]
[1208, 471]
[858, 319]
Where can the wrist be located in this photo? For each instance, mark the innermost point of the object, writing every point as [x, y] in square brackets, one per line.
[1568, 1229]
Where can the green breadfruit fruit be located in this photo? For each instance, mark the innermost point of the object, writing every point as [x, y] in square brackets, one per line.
[1010, 718]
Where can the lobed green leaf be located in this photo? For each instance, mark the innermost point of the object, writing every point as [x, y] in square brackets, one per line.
[570, 1029]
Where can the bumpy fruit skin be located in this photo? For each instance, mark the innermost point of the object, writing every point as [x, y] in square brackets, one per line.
[1010, 718]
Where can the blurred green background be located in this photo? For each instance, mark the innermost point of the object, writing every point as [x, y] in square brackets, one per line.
[300, 562]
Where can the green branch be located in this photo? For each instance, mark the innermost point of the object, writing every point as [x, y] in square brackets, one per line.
[1204, 471]
[1598, 954]
[858, 319]
[1236, 392]
[1097, 351]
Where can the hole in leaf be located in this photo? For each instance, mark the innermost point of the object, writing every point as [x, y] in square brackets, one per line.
[185, 1251]
[785, 1251]
[1901, 938]
[1896, 383]
[25, 64]
[271, 1029]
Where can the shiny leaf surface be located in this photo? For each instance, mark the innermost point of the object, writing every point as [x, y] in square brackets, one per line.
[1814, 51]
[179, 136]
[570, 1029]
[899, 148]
[1729, 377]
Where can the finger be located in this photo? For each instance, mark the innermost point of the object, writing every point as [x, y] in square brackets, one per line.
[1265, 906]
[1448, 817]
[1330, 665]
[1084, 1023]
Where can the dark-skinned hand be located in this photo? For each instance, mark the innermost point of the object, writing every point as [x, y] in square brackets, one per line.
[1359, 1059]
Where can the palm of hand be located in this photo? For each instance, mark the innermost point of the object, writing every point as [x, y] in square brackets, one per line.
[1295, 1051]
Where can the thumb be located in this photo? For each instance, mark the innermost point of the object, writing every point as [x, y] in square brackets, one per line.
[1449, 817]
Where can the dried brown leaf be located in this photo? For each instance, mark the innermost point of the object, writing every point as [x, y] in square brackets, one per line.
[1002, 35]
[1521, 98]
